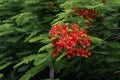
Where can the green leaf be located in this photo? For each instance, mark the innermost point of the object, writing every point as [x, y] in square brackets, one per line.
[95, 40]
[42, 38]
[5, 27]
[114, 45]
[1, 75]
[23, 68]
[61, 64]
[112, 60]
[60, 57]
[5, 32]
[31, 35]
[13, 39]
[24, 18]
[5, 65]
[30, 58]
[46, 47]
[94, 6]
[41, 59]
[34, 70]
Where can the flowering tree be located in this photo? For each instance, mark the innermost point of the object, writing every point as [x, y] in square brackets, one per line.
[59, 39]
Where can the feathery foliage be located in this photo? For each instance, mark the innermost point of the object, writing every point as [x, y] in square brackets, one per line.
[25, 50]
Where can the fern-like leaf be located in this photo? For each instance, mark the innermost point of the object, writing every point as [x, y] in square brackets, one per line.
[46, 47]
[30, 58]
[34, 70]
[24, 18]
[5, 65]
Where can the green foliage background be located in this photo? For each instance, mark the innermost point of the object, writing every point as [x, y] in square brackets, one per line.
[25, 50]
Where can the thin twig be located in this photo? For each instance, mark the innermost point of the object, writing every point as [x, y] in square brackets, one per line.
[105, 29]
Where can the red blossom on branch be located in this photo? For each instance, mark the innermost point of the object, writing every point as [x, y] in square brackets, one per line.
[87, 13]
[73, 40]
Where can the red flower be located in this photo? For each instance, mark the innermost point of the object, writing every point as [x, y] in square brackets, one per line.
[60, 44]
[75, 27]
[54, 53]
[54, 42]
[87, 13]
[74, 36]
[103, 1]
[73, 10]
[53, 31]
[81, 52]
[90, 14]
[81, 12]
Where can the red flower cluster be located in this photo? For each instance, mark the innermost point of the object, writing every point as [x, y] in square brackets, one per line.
[70, 39]
[87, 13]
